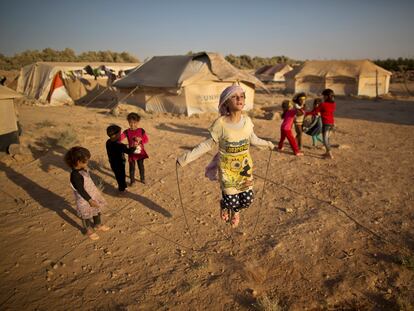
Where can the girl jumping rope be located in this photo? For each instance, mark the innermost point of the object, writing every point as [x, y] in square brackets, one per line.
[233, 132]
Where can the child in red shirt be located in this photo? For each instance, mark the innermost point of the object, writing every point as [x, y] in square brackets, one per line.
[136, 138]
[326, 111]
[288, 116]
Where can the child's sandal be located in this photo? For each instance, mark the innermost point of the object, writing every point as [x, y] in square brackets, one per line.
[93, 236]
[103, 228]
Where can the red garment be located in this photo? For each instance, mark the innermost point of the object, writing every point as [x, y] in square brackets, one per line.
[288, 119]
[292, 141]
[130, 135]
[326, 109]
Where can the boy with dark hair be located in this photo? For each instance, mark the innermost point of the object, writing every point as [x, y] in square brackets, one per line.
[116, 151]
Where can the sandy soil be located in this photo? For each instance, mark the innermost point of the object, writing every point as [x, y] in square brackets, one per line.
[328, 235]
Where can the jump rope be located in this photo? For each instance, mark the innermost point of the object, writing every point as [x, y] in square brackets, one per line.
[231, 211]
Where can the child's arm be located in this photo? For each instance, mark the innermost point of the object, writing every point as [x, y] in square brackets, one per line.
[256, 141]
[76, 179]
[204, 147]
[123, 136]
[127, 150]
[197, 152]
[144, 138]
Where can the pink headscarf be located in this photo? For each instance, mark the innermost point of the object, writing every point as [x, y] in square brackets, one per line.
[212, 168]
[225, 95]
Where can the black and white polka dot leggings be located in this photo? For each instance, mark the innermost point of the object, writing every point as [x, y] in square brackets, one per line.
[237, 201]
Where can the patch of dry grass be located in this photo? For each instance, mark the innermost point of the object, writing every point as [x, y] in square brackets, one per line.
[66, 138]
[264, 303]
[45, 123]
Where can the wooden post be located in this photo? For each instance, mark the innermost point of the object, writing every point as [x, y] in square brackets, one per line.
[376, 83]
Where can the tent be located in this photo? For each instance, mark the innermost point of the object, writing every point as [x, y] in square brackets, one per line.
[184, 84]
[9, 129]
[273, 73]
[355, 77]
[61, 83]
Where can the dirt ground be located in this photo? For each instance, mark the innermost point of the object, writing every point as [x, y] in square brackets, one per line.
[325, 234]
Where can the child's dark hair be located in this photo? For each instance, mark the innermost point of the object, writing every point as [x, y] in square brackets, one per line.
[133, 116]
[329, 94]
[113, 130]
[317, 102]
[296, 98]
[286, 105]
[75, 155]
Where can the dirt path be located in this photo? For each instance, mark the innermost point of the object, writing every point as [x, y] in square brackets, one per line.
[329, 234]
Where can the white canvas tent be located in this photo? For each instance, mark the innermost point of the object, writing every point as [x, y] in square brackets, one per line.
[54, 83]
[356, 77]
[273, 73]
[184, 84]
[9, 130]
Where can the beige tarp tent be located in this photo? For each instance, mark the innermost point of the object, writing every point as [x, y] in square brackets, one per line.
[184, 84]
[357, 77]
[275, 73]
[55, 84]
[9, 131]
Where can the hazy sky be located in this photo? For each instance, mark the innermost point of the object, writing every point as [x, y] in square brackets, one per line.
[320, 29]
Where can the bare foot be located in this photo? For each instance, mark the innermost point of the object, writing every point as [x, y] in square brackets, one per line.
[235, 220]
[328, 155]
[224, 214]
[103, 228]
[300, 154]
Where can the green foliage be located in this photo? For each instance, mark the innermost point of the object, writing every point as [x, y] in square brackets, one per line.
[396, 64]
[247, 62]
[67, 55]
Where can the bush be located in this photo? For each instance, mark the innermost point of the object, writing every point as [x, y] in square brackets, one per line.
[27, 57]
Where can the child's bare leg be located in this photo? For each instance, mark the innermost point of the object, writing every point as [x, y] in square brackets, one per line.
[326, 134]
[235, 219]
[224, 212]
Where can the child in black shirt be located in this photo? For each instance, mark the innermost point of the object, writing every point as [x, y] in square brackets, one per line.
[116, 155]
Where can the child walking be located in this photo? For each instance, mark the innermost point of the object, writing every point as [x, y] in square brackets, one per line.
[116, 150]
[233, 132]
[317, 137]
[299, 101]
[327, 110]
[288, 116]
[136, 138]
[89, 199]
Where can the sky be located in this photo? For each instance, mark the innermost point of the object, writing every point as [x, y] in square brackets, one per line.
[299, 29]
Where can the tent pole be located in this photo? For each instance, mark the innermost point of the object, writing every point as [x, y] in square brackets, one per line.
[125, 97]
[93, 99]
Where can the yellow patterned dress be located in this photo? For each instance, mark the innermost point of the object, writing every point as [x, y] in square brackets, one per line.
[235, 162]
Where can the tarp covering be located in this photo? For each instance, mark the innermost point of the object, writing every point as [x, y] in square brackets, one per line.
[172, 71]
[36, 80]
[8, 115]
[184, 84]
[356, 77]
[334, 68]
[273, 72]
